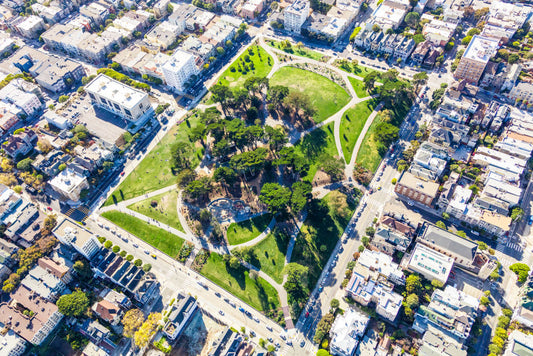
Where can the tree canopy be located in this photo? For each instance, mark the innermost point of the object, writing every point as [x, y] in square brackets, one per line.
[74, 304]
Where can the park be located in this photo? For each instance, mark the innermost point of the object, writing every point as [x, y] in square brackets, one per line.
[247, 170]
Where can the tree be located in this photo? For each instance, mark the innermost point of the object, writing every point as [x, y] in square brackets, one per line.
[198, 188]
[521, 270]
[25, 164]
[74, 304]
[516, 213]
[300, 101]
[147, 330]
[412, 301]
[365, 241]
[296, 282]
[63, 98]
[277, 93]
[420, 79]
[301, 192]
[370, 231]
[441, 224]
[334, 304]
[234, 262]
[465, 41]
[482, 246]
[225, 175]
[323, 327]
[437, 284]
[83, 269]
[376, 28]
[484, 301]
[413, 284]
[412, 19]
[332, 166]
[369, 80]
[275, 196]
[221, 94]
[132, 321]
[338, 204]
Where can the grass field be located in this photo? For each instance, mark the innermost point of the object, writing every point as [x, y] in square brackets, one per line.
[326, 96]
[358, 70]
[302, 52]
[262, 61]
[166, 210]
[257, 293]
[271, 254]
[157, 237]
[247, 230]
[319, 235]
[359, 87]
[313, 145]
[371, 152]
[154, 172]
[352, 123]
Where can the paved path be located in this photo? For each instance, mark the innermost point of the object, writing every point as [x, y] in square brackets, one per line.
[139, 198]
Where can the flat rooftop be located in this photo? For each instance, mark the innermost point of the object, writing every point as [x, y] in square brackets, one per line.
[79, 234]
[481, 48]
[115, 91]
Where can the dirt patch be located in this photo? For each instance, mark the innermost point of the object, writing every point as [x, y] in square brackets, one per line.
[198, 337]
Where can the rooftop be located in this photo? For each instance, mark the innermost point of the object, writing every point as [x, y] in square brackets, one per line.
[481, 49]
[347, 330]
[70, 231]
[116, 91]
[411, 181]
[431, 263]
[67, 180]
[456, 245]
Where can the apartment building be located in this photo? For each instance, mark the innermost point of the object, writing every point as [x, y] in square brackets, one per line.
[179, 69]
[77, 237]
[10, 343]
[436, 342]
[127, 102]
[450, 311]
[179, 314]
[295, 15]
[23, 95]
[27, 26]
[431, 264]
[390, 14]
[70, 184]
[43, 283]
[436, 31]
[163, 35]
[346, 332]
[474, 60]
[417, 190]
[519, 344]
[522, 92]
[59, 74]
[40, 319]
[429, 162]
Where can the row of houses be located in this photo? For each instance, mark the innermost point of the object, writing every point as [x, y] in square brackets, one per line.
[393, 45]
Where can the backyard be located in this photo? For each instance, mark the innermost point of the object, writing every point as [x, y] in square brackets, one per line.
[262, 64]
[314, 145]
[256, 292]
[352, 123]
[155, 236]
[247, 230]
[165, 209]
[154, 172]
[326, 96]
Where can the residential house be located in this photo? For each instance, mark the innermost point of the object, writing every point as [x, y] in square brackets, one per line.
[346, 332]
[11, 344]
[417, 190]
[107, 311]
[179, 314]
[20, 144]
[43, 283]
[77, 237]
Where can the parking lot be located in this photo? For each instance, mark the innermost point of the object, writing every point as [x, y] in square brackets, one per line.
[99, 122]
[467, 283]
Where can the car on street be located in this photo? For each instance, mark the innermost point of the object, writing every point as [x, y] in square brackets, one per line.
[270, 339]
[217, 294]
[282, 337]
[49, 208]
[221, 312]
[147, 252]
[302, 344]
[252, 333]
[122, 173]
[530, 222]
[135, 245]
[269, 328]
[241, 309]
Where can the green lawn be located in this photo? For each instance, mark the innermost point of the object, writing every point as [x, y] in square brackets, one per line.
[271, 254]
[262, 61]
[313, 145]
[352, 123]
[247, 230]
[302, 52]
[319, 235]
[326, 96]
[372, 151]
[166, 210]
[358, 70]
[359, 87]
[155, 236]
[257, 293]
[154, 172]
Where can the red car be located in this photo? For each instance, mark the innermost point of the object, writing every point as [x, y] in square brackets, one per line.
[306, 314]
[49, 208]
[122, 173]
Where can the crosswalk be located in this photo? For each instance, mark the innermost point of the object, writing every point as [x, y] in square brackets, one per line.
[509, 245]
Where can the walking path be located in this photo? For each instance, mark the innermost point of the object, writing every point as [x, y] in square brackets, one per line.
[257, 239]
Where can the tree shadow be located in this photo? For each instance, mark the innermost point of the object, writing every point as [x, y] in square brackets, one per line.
[314, 143]
[238, 274]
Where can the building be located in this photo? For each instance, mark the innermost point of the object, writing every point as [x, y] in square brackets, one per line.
[29, 315]
[227, 344]
[179, 312]
[477, 55]
[70, 184]
[390, 14]
[23, 95]
[431, 264]
[252, 8]
[295, 15]
[50, 13]
[115, 297]
[43, 283]
[120, 99]
[519, 344]
[429, 162]
[437, 32]
[464, 252]
[107, 311]
[459, 201]
[94, 350]
[28, 26]
[56, 268]
[77, 237]
[20, 144]
[346, 332]
[10, 343]
[437, 343]
[163, 35]
[522, 93]
[450, 311]
[96, 12]
[179, 69]
[417, 190]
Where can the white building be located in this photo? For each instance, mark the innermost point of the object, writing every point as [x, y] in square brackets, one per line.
[346, 332]
[17, 93]
[179, 69]
[458, 203]
[121, 99]
[519, 344]
[10, 343]
[74, 235]
[43, 283]
[389, 14]
[295, 15]
[69, 184]
[179, 314]
[430, 263]
[522, 91]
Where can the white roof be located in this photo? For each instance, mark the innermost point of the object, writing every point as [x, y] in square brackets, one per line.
[379, 262]
[115, 91]
[67, 180]
[346, 331]
[481, 48]
[431, 263]
[179, 59]
[461, 196]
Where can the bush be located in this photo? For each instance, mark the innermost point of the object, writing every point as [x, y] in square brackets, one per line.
[129, 258]
[147, 267]
[521, 270]
[63, 98]
[394, 181]
[138, 262]
[123, 253]
[108, 244]
[101, 239]
[116, 249]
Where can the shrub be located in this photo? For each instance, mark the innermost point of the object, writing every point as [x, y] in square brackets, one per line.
[129, 258]
[138, 262]
[63, 98]
[147, 267]
[123, 253]
[101, 239]
[108, 244]
[116, 249]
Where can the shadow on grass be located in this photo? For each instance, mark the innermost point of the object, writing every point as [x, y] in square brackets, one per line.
[314, 143]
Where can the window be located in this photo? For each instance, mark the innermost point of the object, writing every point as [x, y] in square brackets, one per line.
[127, 112]
[92, 96]
[116, 106]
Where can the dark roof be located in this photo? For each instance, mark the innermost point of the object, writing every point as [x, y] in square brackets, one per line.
[450, 242]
